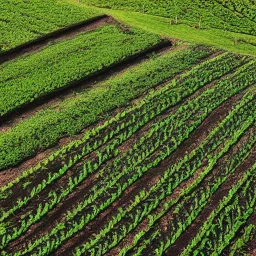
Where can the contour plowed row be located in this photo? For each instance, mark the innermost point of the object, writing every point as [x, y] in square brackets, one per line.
[128, 223]
[9, 199]
[201, 102]
[86, 184]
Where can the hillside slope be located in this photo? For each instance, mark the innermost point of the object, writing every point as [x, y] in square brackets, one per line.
[118, 138]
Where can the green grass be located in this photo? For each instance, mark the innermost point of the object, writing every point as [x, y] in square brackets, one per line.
[227, 15]
[246, 44]
[226, 40]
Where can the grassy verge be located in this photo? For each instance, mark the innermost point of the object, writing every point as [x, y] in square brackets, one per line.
[230, 41]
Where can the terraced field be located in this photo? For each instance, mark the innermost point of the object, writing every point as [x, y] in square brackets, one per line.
[115, 141]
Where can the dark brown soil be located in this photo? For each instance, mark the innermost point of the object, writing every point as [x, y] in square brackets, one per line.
[78, 194]
[223, 191]
[150, 178]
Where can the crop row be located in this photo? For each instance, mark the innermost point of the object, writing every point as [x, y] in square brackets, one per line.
[144, 111]
[192, 204]
[226, 219]
[81, 174]
[110, 235]
[237, 247]
[49, 70]
[146, 107]
[36, 133]
[146, 150]
[153, 104]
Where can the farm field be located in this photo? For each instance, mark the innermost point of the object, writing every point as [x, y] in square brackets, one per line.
[119, 139]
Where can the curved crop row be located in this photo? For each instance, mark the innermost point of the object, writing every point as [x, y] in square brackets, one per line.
[225, 220]
[36, 133]
[192, 203]
[145, 110]
[162, 189]
[145, 147]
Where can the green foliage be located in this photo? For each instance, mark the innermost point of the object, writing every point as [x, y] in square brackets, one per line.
[37, 133]
[110, 186]
[49, 69]
[230, 15]
[22, 21]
